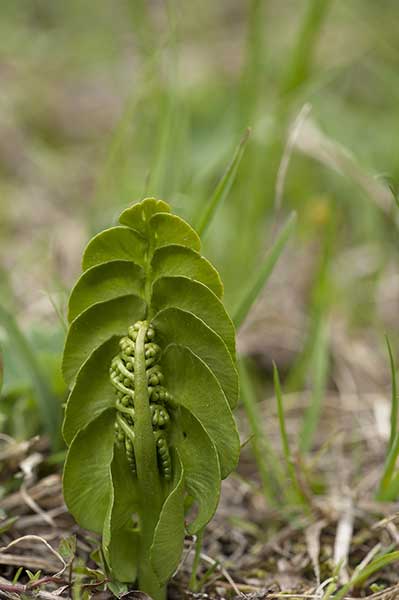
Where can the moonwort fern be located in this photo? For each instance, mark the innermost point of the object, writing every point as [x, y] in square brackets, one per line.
[150, 360]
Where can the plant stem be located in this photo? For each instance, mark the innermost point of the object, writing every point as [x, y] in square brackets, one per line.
[193, 585]
[149, 482]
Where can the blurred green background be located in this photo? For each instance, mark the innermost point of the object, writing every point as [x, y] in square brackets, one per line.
[102, 103]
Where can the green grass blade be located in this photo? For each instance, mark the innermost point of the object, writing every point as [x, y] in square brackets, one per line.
[332, 586]
[384, 491]
[223, 187]
[253, 76]
[1, 369]
[162, 179]
[298, 70]
[322, 295]
[142, 26]
[320, 365]
[48, 406]
[284, 437]
[362, 575]
[378, 563]
[209, 572]
[395, 399]
[388, 487]
[255, 286]
[270, 471]
[392, 492]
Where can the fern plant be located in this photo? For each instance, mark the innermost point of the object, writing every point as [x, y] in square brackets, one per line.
[150, 361]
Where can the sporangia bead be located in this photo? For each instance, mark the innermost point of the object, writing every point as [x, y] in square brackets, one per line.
[122, 378]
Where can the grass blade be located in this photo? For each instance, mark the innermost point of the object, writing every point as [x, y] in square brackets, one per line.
[299, 66]
[224, 185]
[48, 406]
[388, 487]
[1, 369]
[361, 576]
[284, 437]
[253, 76]
[257, 284]
[395, 399]
[208, 574]
[384, 491]
[270, 472]
[321, 298]
[392, 492]
[320, 364]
